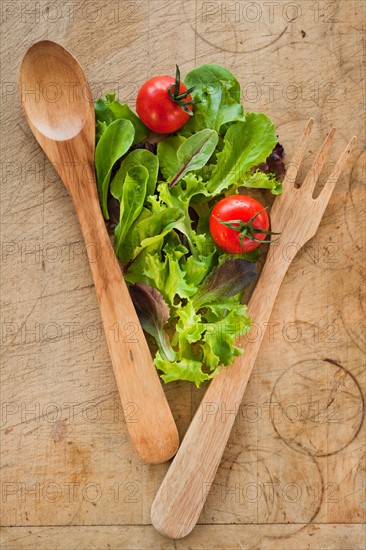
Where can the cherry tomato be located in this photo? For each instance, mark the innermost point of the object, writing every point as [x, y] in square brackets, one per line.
[157, 110]
[233, 222]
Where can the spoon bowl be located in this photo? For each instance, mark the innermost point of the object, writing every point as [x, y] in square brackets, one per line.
[55, 93]
[58, 106]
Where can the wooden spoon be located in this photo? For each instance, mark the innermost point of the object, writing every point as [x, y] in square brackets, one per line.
[58, 106]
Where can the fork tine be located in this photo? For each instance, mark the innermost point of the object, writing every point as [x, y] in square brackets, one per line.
[327, 191]
[313, 175]
[294, 166]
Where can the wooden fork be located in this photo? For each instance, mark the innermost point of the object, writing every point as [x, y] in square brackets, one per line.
[296, 215]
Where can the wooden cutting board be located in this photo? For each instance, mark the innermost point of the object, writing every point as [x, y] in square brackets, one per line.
[293, 474]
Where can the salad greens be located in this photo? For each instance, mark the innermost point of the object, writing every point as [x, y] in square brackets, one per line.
[187, 292]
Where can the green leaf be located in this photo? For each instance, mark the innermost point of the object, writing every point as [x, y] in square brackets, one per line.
[168, 277]
[246, 145]
[197, 268]
[262, 180]
[149, 229]
[180, 197]
[194, 152]
[219, 94]
[139, 157]
[132, 201]
[102, 112]
[183, 369]
[167, 154]
[109, 109]
[100, 128]
[153, 229]
[189, 327]
[122, 110]
[114, 143]
[218, 342]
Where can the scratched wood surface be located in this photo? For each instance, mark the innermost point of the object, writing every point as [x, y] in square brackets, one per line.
[293, 474]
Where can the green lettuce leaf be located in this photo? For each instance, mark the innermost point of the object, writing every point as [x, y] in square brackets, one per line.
[183, 369]
[261, 180]
[246, 145]
[218, 342]
[167, 276]
[150, 232]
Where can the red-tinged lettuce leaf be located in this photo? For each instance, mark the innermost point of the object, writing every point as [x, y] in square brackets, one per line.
[274, 163]
[226, 280]
[153, 313]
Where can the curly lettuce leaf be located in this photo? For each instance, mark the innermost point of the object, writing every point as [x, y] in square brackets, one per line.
[167, 277]
[146, 237]
[218, 342]
[188, 369]
[274, 163]
[260, 180]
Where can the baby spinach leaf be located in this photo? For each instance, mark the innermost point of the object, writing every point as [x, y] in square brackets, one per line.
[246, 144]
[109, 109]
[218, 93]
[194, 152]
[132, 201]
[114, 143]
[138, 157]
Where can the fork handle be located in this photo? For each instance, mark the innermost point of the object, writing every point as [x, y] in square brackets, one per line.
[182, 494]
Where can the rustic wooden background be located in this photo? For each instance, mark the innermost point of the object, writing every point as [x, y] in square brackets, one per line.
[293, 474]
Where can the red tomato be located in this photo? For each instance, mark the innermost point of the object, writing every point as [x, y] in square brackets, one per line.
[157, 110]
[233, 222]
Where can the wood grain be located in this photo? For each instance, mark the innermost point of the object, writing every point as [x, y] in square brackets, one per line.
[62, 420]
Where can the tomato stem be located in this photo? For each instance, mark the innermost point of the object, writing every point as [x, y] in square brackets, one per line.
[179, 99]
[247, 229]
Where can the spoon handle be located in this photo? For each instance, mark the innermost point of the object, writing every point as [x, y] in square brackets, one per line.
[148, 417]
